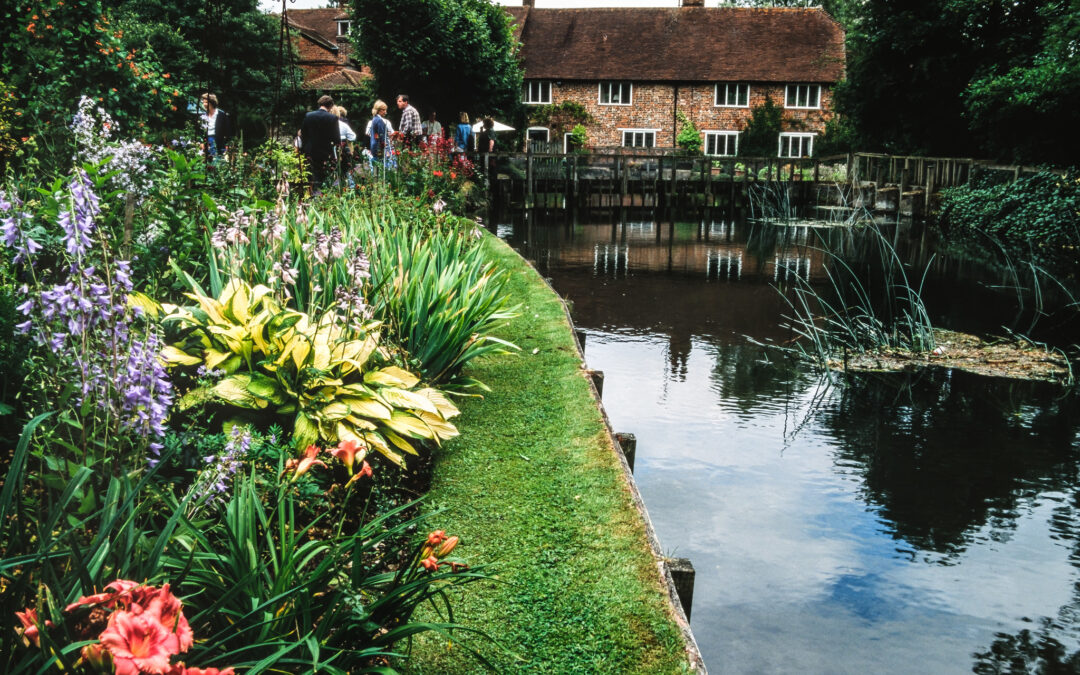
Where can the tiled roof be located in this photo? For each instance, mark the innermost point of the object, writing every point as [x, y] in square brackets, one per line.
[686, 44]
[346, 78]
[322, 22]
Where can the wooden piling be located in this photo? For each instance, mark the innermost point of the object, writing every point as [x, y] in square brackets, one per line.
[597, 377]
[580, 334]
[682, 573]
[628, 445]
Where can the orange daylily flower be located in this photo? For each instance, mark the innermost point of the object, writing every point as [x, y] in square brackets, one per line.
[301, 466]
[365, 471]
[347, 451]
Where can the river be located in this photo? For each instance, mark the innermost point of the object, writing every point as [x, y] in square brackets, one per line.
[876, 523]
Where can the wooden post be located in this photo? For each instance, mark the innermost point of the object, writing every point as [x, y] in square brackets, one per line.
[682, 573]
[597, 377]
[530, 197]
[580, 334]
[628, 445]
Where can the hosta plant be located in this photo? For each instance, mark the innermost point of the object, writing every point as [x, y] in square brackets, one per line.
[325, 372]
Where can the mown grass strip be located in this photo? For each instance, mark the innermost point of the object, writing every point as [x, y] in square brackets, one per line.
[536, 493]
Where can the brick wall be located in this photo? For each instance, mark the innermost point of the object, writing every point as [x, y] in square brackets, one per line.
[316, 60]
[653, 107]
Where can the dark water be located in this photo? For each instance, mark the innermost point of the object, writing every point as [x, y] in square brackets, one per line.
[875, 524]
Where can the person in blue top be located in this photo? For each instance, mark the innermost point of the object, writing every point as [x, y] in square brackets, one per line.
[463, 134]
[381, 151]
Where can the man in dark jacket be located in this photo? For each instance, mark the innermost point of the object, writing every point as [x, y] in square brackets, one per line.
[319, 135]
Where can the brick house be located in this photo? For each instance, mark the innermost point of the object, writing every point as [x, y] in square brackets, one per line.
[321, 38]
[635, 69]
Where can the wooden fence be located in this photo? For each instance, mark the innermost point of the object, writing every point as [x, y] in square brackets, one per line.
[663, 177]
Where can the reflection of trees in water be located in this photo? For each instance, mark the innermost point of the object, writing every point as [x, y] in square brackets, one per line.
[945, 453]
[743, 374]
[1038, 649]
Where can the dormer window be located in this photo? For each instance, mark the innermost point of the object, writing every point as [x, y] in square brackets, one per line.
[343, 27]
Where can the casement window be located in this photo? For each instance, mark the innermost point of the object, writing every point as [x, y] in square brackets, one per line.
[796, 145]
[803, 96]
[538, 134]
[722, 143]
[638, 138]
[536, 92]
[615, 93]
[343, 27]
[732, 95]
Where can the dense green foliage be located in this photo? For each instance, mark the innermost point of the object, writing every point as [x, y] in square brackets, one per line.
[448, 55]
[964, 78]
[1038, 215]
[758, 139]
[228, 47]
[688, 139]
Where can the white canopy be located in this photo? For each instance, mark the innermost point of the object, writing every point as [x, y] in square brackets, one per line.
[499, 126]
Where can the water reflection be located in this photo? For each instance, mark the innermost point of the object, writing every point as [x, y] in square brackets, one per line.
[861, 524]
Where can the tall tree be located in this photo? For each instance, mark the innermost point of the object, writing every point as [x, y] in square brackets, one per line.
[911, 64]
[448, 55]
[228, 47]
[1025, 110]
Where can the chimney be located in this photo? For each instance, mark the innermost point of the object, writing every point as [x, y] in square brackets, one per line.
[693, 3]
[531, 4]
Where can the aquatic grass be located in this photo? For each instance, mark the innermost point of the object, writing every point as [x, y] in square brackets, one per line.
[857, 313]
[534, 488]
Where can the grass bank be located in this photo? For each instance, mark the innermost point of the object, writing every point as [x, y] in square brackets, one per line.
[537, 494]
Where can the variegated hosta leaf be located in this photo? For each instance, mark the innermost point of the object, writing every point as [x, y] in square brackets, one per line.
[399, 398]
[392, 376]
[443, 404]
[234, 389]
[305, 431]
[173, 356]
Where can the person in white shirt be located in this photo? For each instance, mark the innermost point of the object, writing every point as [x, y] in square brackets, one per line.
[432, 127]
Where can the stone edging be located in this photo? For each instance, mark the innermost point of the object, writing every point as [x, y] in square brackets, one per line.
[693, 653]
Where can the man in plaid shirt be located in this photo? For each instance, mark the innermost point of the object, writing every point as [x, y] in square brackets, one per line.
[410, 120]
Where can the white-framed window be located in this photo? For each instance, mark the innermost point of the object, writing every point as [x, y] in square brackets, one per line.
[802, 96]
[567, 145]
[538, 134]
[638, 138]
[616, 93]
[722, 143]
[343, 27]
[796, 144]
[536, 92]
[732, 95]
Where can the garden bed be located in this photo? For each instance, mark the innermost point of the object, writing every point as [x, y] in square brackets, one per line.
[1015, 359]
[535, 489]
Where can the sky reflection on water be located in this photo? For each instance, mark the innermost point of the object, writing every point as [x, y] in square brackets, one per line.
[891, 524]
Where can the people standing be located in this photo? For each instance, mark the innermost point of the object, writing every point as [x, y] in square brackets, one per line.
[346, 149]
[320, 135]
[379, 130]
[432, 127]
[463, 134]
[410, 126]
[487, 136]
[218, 130]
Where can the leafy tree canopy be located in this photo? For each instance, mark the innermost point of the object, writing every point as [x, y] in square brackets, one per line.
[447, 55]
[964, 77]
[227, 47]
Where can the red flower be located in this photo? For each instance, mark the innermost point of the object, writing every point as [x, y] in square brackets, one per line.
[364, 472]
[180, 669]
[453, 175]
[302, 466]
[138, 643]
[437, 173]
[429, 563]
[437, 537]
[347, 451]
[29, 620]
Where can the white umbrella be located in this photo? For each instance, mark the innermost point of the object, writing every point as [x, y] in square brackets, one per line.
[499, 126]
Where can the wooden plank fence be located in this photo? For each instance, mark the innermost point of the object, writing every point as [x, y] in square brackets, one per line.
[663, 177]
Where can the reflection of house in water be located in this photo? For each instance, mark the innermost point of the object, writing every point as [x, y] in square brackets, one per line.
[724, 264]
[610, 260]
[721, 230]
[787, 268]
[717, 250]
